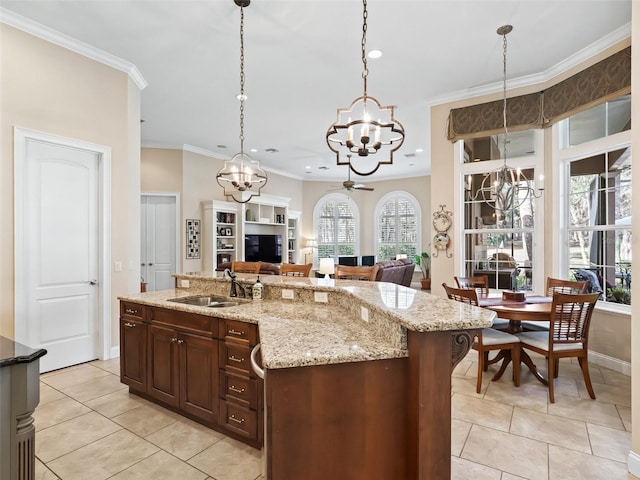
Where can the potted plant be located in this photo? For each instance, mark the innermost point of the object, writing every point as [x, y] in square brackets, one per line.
[424, 262]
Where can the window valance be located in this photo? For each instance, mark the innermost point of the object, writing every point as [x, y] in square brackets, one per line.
[599, 83]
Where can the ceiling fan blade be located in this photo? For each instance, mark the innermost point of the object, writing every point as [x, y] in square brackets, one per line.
[362, 187]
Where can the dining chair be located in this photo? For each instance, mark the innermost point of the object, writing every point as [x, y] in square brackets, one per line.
[556, 285]
[481, 284]
[355, 273]
[246, 267]
[568, 335]
[488, 339]
[295, 270]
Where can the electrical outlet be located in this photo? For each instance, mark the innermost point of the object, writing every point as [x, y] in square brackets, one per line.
[184, 283]
[117, 266]
[322, 297]
[287, 293]
[364, 313]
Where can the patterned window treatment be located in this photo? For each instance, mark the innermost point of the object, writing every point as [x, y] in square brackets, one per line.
[597, 84]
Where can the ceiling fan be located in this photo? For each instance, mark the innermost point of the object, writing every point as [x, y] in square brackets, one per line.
[350, 185]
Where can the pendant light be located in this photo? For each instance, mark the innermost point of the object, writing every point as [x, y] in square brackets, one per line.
[241, 177]
[366, 129]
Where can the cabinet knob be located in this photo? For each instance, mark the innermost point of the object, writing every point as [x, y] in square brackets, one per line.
[130, 311]
[130, 325]
[174, 340]
[180, 341]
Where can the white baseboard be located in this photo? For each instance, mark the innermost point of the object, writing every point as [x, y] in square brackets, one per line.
[610, 362]
[115, 352]
[633, 464]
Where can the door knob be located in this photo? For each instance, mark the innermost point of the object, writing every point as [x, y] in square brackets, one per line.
[150, 264]
[93, 282]
[143, 264]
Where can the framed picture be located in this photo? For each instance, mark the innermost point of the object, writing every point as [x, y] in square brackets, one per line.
[227, 232]
[193, 238]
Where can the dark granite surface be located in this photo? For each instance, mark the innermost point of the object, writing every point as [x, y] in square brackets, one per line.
[13, 352]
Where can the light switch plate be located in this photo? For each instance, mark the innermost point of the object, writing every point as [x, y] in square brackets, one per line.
[322, 297]
[287, 293]
[184, 283]
[117, 266]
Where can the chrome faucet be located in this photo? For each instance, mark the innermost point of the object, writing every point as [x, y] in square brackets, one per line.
[235, 284]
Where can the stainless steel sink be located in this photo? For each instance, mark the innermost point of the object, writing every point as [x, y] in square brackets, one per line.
[211, 301]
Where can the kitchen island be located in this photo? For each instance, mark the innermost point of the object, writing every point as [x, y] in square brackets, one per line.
[357, 374]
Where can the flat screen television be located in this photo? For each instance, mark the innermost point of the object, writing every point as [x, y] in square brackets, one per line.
[263, 248]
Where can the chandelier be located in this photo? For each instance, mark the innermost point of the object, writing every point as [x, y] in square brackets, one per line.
[505, 189]
[366, 128]
[241, 177]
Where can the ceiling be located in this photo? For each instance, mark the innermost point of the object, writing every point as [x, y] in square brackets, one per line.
[302, 62]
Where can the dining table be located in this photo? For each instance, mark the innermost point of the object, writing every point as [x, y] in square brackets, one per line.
[534, 308]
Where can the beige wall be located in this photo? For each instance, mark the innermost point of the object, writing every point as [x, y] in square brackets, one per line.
[419, 187]
[160, 170]
[51, 89]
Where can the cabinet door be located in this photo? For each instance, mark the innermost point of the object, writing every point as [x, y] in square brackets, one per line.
[133, 354]
[162, 368]
[199, 376]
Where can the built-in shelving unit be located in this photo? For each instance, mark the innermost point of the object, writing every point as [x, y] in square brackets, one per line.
[226, 223]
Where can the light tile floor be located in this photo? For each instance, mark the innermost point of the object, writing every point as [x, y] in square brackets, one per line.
[89, 427]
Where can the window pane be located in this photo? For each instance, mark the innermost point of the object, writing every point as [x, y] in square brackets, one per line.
[600, 121]
[519, 144]
[397, 229]
[336, 229]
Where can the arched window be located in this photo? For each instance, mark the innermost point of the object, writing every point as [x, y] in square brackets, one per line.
[397, 226]
[336, 222]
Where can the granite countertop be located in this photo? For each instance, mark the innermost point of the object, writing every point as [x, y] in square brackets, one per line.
[12, 353]
[303, 332]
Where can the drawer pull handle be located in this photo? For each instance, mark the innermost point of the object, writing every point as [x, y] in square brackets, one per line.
[130, 325]
[237, 360]
[180, 341]
[234, 419]
[236, 390]
[235, 332]
[131, 311]
[174, 340]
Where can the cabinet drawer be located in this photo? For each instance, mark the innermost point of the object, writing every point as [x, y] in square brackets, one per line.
[235, 357]
[135, 311]
[233, 330]
[239, 388]
[239, 419]
[189, 322]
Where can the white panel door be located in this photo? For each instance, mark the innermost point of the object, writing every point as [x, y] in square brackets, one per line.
[61, 247]
[158, 241]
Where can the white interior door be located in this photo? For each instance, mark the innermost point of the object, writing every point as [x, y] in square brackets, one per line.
[158, 241]
[61, 234]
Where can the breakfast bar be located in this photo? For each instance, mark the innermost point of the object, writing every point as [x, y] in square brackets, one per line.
[357, 375]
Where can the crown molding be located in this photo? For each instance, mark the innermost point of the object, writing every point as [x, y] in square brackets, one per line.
[53, 36]
[574, 60]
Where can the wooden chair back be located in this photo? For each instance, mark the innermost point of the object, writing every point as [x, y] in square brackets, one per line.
[295, 270]
[355, 273]
[571, 318]
[464, 295]
[480, 282]
[246, 267]
[558, 285]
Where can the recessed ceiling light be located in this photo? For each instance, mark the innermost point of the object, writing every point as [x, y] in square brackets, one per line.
[254, 150]
[271, 150]
[307, 167]
[308, 171]
[409, 155]
[419, 150]
[323, 167]
[241, 97]
[375, 54]
[221, 146]
[411, 164]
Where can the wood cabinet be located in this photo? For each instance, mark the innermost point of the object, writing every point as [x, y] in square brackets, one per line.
[133, 346]
[194, 364]
[241, 391]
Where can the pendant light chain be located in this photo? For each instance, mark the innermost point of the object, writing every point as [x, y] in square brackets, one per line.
[504, 93]
[365, 69]
[242, 78]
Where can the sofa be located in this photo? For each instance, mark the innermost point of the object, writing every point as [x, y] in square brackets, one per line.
[395, 271]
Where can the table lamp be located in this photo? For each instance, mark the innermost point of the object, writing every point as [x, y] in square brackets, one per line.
[326, 267]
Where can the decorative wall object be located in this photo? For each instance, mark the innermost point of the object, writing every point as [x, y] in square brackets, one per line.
[193, 238]
[442, 223]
